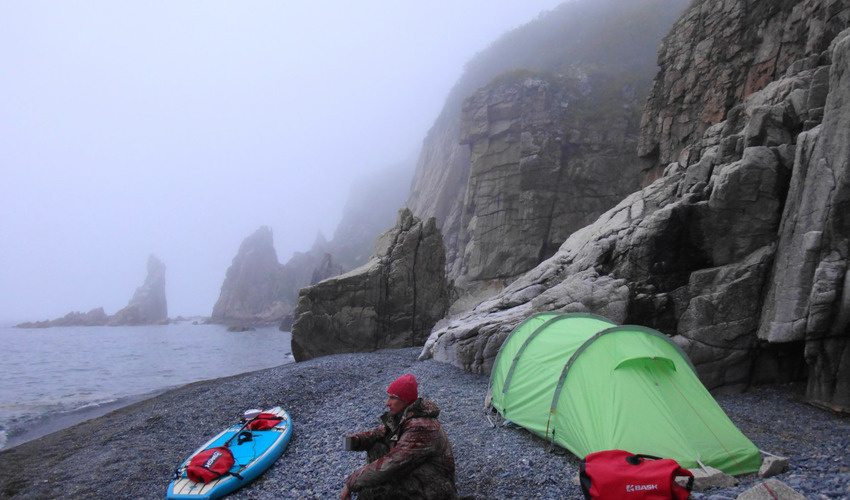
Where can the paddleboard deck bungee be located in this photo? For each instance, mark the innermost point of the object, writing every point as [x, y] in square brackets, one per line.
[252, 457]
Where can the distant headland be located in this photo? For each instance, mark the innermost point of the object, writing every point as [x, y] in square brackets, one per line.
[147, 307]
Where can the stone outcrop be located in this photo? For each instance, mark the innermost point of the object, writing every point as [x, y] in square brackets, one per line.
[511, 169]
[253, 292]
[739, 248]
[391, 301]
[148, 305]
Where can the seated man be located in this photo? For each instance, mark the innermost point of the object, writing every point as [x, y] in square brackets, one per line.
[409, 456]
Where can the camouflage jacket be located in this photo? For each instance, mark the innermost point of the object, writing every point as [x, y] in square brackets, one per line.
[419, 464]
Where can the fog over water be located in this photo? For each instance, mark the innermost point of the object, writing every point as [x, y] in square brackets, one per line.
[178, 128]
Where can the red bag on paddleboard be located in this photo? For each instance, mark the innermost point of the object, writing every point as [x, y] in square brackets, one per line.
[618, 474]
[210, 464]
[264, 422]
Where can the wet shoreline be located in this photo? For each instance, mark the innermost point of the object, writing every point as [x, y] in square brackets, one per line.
[55, 422]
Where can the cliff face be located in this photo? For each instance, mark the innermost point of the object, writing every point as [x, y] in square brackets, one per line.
[391, 301]
[739, 249]
[511, 169]
[809, 294]
[546, 160]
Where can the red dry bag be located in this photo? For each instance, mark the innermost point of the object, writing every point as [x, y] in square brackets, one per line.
[264, 422]
[618, 475]
[210, 464]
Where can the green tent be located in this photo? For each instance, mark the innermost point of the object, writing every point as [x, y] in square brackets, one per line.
[589, 385]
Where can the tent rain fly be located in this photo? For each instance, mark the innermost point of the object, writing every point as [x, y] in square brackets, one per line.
[589, 385]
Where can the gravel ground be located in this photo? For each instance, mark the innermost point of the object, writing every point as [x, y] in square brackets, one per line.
[131, 453]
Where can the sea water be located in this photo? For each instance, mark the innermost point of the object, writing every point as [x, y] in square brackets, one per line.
[52, 378]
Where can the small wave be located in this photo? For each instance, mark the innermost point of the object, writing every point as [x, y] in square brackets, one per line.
[93, 404]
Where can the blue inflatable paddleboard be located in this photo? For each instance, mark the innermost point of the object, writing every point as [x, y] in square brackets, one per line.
[252, 457]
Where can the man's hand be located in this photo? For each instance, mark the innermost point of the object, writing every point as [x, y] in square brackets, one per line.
[345, 495]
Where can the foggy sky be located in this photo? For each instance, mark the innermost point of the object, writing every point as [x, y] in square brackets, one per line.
[177, 128]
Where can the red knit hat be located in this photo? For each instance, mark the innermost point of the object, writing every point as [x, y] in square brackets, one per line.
[405, 387]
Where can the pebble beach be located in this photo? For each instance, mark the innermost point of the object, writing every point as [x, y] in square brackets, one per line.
[132, 452]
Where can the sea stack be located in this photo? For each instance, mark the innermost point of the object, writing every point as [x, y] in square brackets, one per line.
[253, 289]
[148, 305]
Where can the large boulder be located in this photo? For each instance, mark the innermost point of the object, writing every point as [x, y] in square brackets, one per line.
[392, 301]
[148, 305]
[578, 278]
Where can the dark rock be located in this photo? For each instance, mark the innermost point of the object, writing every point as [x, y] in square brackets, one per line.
[240, 328]
[809, 295]
[391, 301]
[286, 323]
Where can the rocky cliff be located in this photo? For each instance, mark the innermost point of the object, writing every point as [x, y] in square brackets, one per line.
[391, 301]
[738, 246]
